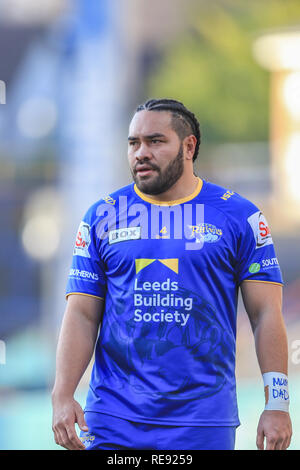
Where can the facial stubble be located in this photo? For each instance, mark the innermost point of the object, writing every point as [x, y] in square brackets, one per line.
[165, 179]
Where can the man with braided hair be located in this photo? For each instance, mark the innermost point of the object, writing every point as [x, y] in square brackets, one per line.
[157, 266]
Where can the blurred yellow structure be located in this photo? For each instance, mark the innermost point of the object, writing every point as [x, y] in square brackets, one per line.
[278, 51]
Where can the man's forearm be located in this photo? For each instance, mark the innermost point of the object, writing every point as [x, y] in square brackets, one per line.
[271, 342]
[74, 351]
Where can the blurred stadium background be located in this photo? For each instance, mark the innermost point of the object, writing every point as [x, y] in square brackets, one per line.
[72, 72]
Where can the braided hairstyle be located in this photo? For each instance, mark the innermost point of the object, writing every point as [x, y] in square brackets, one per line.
[183, 122]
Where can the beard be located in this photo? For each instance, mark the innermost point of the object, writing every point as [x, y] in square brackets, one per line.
[165, 179]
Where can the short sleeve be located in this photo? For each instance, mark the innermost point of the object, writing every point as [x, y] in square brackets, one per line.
[87, 272]
[256, 257]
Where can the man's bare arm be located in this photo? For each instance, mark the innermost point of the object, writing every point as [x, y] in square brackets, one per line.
[74, 351]
[263, 303]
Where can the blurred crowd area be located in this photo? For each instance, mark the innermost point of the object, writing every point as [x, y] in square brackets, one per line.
[71, 74]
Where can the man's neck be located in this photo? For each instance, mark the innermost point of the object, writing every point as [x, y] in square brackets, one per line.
[183, 188]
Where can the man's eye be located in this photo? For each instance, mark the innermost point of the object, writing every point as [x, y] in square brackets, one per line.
[132, 142]
[155, 141]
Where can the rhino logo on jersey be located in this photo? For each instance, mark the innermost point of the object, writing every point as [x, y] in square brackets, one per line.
[205, 233]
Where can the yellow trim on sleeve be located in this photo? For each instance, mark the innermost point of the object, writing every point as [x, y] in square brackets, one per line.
[81, 293]
[170, 203]
[266, 282]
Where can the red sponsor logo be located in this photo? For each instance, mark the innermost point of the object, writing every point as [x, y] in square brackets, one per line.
[264, 230]
[79, 241]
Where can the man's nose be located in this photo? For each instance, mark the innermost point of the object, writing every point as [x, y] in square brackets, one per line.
[143, 152]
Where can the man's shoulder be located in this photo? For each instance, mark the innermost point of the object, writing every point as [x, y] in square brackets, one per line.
[109, 201]
[230, 202]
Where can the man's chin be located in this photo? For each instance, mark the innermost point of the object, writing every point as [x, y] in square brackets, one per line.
[148, 185]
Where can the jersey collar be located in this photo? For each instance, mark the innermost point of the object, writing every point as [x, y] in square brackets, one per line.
[147, 198]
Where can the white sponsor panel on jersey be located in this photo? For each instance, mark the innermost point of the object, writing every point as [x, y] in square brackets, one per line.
[260, 228]
[83, 240]
[124, 234]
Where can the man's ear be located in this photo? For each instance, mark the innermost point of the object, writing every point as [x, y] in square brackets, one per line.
[189, 145]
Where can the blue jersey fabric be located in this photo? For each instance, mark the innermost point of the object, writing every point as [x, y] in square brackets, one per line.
[109, 432]
[169, 275]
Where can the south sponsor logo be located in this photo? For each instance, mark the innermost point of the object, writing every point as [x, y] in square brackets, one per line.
[83, 240]
[270, 263]
[124, 234]
[260, 228]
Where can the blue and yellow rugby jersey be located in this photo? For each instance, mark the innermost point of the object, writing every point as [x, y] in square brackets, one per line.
[169, 274]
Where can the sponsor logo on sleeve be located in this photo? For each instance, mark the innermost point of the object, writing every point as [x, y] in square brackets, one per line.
[260, 228]
[82, 274]
[254, 268]
[83, 240]
[270, 263]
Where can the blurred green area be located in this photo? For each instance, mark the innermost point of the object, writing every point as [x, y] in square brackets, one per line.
[210, 67]
[26, 417]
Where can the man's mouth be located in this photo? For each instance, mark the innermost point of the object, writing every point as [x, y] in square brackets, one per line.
[144, 170]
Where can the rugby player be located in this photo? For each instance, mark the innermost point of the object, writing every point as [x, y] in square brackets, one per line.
[153, 287]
